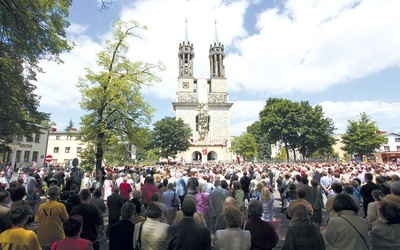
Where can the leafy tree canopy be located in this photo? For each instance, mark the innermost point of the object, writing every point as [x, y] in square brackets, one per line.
[171, 136]
[112, 97]
[30, 31]
[361, 136]
[244, 145]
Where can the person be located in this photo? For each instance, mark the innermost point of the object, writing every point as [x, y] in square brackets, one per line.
[99, 203]
[366, 191]
[64, 196]
[50, 216]
[167, 198]
[220, 222]
[267, 202]
[301, 197]
[380, 181]
[337, 189]
[284, 188]
[121, 233]
[197, 216]
[233, 237]
[72, 229]
[125, 189]
[136, 199]
[108, 187]
[156, 197]
[114, 204]
[91, 218]
[187, 234]
[86, 183]
[302, 233]
[5, 222]
[202, 204]
[263, 233]
[180, 187]
[245, 182]
[238, 194]
[216, 199]
[318, 203]
[148, 189]
[153, 232]
[17, 237]
[386, 234]
[347, 230]
[192, 184]
[373, 208]
[73, 195]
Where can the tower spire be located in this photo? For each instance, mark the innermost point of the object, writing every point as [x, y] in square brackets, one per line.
[216, 34]
[186, 33]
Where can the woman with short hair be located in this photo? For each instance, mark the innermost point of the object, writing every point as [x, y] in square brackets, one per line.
[153, 233]
[263, 233]
[72, 229]
[347, 230]
[233, 237]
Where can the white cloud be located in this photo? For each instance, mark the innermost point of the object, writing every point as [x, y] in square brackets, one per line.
[300, 47]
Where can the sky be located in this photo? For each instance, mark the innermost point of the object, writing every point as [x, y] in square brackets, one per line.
[342, 55]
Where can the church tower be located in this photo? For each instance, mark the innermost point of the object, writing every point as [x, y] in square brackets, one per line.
[204, 105]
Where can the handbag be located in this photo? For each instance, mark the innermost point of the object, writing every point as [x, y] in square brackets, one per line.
[286, 203]
[174, 202]
[138, 245]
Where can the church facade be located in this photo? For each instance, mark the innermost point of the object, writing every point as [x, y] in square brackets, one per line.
[204, 105]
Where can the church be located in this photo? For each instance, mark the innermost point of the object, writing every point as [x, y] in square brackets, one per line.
[204, 105]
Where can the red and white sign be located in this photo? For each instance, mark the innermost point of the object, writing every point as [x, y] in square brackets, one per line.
[49, 158]
[204, 151]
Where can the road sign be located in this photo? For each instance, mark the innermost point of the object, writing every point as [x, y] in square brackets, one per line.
[49, 158]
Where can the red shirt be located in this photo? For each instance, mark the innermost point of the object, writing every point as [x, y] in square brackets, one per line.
[124, 190]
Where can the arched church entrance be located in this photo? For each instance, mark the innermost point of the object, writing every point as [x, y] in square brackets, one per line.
[196, 156]
[212, 156]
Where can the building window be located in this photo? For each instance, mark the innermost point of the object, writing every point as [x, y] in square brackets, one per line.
[79, 149]
[26, 156]
[55, 161]
[66, 162]
[57, 137]
[397, 139]
[67, 149]
[18, 156]
[19, 138]
[56, 150]
[78, 138]
[29, 139]
[398, 148]
[37, 137]
[386, 148]
[35, 155]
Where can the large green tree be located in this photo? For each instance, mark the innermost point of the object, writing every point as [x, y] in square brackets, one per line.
[315, 131]
[263, 146]
[298, 125]
[30, 31]
[244, 145]
[171, 136]
[361, 136]
[112, 97]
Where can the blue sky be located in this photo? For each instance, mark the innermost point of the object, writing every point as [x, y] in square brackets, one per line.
[342, 55]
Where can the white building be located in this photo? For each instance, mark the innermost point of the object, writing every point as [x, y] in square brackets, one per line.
[25, 152]
[389, 151]
[64, 146]
[204, 105]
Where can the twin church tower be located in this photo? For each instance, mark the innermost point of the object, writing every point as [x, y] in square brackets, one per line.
[204, 105]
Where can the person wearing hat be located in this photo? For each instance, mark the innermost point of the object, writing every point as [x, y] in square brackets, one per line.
[386, 235]
[50, 216]
[53, 182]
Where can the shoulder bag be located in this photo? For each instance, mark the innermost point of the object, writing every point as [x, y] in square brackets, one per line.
[174, 202]
[138, 245]
[365, 242]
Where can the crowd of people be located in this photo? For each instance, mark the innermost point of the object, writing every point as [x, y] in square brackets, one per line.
[210, 206]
